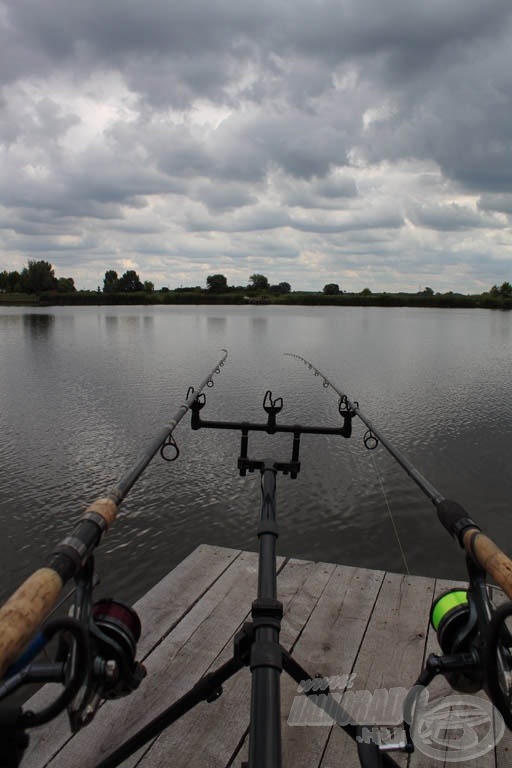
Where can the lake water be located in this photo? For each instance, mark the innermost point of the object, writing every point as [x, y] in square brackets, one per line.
[82, 390]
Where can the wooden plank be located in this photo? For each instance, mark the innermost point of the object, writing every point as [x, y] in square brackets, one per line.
[390, 655]
[504, 746]
[439, 687]
[328, 646]
[169, 600]
[160, 609]
[223, 724]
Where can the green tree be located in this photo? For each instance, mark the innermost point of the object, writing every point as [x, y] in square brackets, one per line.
[505, 291]
[38, 276]
[280, 288]
[13, 282]
[149, 287]
[366, 292]
[110, 281]
[66, 285]
[258, 282]
[216, 283]
[331, 289]
[129, 282]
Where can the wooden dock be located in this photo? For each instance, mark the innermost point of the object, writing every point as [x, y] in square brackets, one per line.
[338, 620]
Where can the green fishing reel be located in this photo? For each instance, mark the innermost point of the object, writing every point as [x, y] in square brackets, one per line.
[449, 613]
[454, 619]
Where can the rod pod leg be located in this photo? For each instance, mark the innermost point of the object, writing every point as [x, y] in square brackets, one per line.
[266, 657]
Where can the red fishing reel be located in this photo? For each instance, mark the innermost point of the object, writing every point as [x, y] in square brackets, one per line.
[114, 630]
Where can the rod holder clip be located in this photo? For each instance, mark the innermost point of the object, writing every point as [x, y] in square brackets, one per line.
[272, 408]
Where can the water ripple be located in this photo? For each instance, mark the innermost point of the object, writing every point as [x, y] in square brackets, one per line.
[83, 389]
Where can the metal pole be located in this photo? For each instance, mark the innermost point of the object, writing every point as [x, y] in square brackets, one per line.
[266, 657]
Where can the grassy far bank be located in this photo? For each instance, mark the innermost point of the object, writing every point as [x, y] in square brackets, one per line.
[37, 285]
[232, 296]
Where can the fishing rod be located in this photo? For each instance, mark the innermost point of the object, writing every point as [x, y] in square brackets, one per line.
[374, 436]
[472, 632]
[97, 643]
[451, 514]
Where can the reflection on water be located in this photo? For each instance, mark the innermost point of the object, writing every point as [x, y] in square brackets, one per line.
[38, 325]
[74, 414]
[111, 323]
[259, 326]
[216, 326]
[130, 323]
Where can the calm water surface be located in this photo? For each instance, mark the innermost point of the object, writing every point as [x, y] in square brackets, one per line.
[82, 390]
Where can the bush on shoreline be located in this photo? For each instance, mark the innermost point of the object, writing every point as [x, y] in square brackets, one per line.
[295, 298]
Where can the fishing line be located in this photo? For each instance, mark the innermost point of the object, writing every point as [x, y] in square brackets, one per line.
[393, 523]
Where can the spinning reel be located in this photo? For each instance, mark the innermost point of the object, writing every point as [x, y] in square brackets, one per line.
[113, 672]
[94, 661]
[476, 642]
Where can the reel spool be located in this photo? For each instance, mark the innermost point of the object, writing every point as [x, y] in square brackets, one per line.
[454, 618]
[116, 630]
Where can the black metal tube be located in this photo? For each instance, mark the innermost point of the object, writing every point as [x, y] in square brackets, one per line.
[289, 428]
[202, 690]
[266, 661]
[428, 489]
[267, 574]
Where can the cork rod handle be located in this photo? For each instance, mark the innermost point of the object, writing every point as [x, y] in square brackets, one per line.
[24, 612]
[491, 558]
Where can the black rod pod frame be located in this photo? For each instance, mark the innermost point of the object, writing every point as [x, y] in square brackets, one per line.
[257, 645]
[478, 656]
[95, 657]
[266, 659]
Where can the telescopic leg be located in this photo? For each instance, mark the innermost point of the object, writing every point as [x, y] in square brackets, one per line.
[208, 688]
[266, 657]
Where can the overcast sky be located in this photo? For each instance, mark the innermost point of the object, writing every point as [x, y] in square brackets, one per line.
[363, 142]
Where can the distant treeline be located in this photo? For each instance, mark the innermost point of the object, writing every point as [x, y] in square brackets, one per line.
[37, 284]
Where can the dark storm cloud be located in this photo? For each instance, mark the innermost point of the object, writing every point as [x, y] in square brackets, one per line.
[451, 217]
[496, 202]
